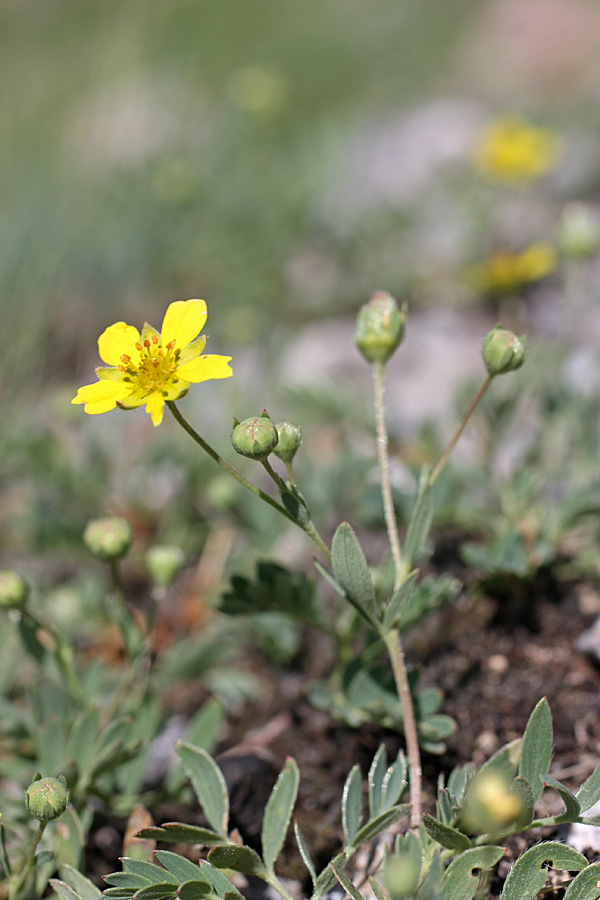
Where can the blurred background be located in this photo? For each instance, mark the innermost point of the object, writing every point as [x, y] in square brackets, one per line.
[283, 161]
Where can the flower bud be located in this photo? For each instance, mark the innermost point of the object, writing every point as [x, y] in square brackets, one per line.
[490, 803]
[255, 437]
[289, 439]
[164, 562]
[14, 590]
[503, 351]
[579, 234]
[47, 798]
[109, 538]
[379, 327]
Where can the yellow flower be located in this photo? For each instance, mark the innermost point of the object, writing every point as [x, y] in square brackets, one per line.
[512, 151]
[506, 272]
[153, 367]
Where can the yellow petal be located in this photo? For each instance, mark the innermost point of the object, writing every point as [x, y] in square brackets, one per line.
[101, 396]
[155, 407]
[183, 321]
[205, 369]
[118, 339]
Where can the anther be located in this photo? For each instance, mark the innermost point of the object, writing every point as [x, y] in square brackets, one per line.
[122, 368]
[155, 362]
[171, 344]
[154, 339]
[147, 344]
[138, 346]
[125, 358]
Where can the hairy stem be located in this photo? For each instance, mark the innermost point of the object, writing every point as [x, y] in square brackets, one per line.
[384, 468]
[15, 885]
[456, 436]
[396, 654]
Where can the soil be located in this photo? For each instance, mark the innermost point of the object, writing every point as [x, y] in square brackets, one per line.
[493, 660]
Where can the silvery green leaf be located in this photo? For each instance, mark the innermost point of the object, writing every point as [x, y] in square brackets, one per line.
[586, 885]
[528, 875]
[239, 858]
[448, 837]
[352, 804]
[589, 792]
[208, 783]
[521, 787]
[537, 748]
[352, 573]
[460, 881]
[304, 853]
[419, 523]
[377, 772]
[375, 826]
[278, 812]
[182, 868]
[572, 808]
[345, 882]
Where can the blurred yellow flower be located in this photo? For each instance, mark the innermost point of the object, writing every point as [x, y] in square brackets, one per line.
[153, 367]
[503, 273]
[512, 151]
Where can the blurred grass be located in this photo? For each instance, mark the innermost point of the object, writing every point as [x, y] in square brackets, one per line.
[152, 151]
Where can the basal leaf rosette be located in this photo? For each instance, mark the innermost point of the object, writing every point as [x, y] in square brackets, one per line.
[153, 367]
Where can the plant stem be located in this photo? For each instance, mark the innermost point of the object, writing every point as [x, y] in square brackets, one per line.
[225, 465]
[308, 528]
[456, 436]
[384, 468]
[273, 474]
[396, 654]
[15, 886]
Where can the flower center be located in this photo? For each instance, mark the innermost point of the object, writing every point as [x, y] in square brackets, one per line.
[156, 367]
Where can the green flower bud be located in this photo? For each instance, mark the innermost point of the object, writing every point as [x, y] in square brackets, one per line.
[14, 590]
[579, 234]
[379, 327]
[503, 351]
[47, 798]
[290, 438]
[109, 538]
[255, 437]
[164, 562]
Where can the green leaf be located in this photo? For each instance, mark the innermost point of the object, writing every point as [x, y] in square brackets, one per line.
[351, 571]
[376, 775]
[431, 884]
[156, 891]
[195, 890]
[274, 588]
[537, 748]
[460, 881]
[118, 893]
[306, 857]
[521, 787]
[585, 886]
[394, 782]
[179, 833]
[240, 859]
[505, 761]
[347, 885]
[142, 868]
[81, 885]
[419, 522]
[375, 826]
[393, 610]
[183, 869]
[378, 892]
[589, 792]
[68, 839]
[572, 808]
[4, 859]
[527, 877]
[448, 837]
[220, 882]
[278, 812]
[326, 574]
[63, 891]
[326, 878]
[208, 783]
[130, 880]
[352, 804]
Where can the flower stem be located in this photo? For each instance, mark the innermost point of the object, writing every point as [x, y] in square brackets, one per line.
[308, 528]
[384, 468]
[456, 436]
[15, 886]
[396, 654]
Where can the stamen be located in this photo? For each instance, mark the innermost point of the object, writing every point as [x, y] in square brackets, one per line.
[138, 346]
[171, 344]
[160, 351]
[155, 362]
[147, 344]
[121, 368]
[154, 339]
[125, 358]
